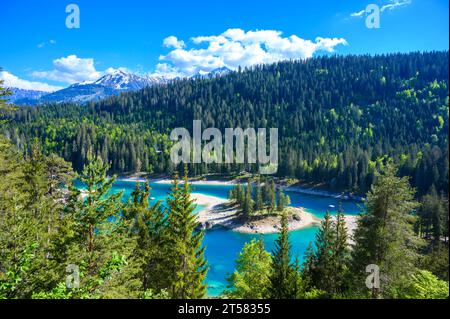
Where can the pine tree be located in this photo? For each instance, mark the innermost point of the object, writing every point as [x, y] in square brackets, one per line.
[272, 197]
[432, 215]
[148, 266]
[259, 203]
[240, 195]
[188, 270]
[247, 208]
[341, 252]
[281, 285]
[98, 242]
[18, 227]
[4, 105]
[283, 200]
[323, 272]
[384, 235]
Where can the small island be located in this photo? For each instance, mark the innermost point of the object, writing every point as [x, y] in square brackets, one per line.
[254, 211]
[256, 208]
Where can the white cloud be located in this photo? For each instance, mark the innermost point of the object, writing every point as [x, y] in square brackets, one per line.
[13, 81]
[395, 4]
[70, 69]
[358, 14]
[173, 42]
[236, 47]
[43, 44]
[391, 5]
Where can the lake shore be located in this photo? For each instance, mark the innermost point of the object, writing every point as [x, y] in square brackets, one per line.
[291, 188]
[219, 213]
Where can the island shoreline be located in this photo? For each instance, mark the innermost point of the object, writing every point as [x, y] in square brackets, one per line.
[218, 212]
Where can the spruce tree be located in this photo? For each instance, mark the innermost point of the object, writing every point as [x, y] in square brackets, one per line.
[188, 270]
[98, 242]
[341, 252]
[384, 235]
[281, 285]
[259, 203]
[272, 197]
[324, 267]
[149, 262]
[248, 207]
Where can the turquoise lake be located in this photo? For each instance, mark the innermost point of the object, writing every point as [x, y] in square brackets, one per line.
[223, 246]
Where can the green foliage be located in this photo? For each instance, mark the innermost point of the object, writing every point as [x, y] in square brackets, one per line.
[250, 280]
[99, 246]
[4, 105]
[432, 215]
[188, 266]
[435, 259]
[12, 278]
[384, 236]
[283, 277]
[331, 127]
[424, 285]
[149, 294]
[326, 267]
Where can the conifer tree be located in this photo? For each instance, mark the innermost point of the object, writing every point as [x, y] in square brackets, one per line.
[240, 195]
[272, 197]
[188, 270]
[247, 208]
[384, 236]
[341, 252]
[281, 285]
[259, 203]
[98, 241]
[323, 273]
[148, 266]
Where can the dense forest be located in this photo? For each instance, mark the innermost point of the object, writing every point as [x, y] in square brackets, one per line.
[339, 119]
[389, 129]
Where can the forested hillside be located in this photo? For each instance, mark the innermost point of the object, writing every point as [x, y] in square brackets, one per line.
[339, 118]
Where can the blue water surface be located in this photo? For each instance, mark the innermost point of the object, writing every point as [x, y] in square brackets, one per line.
[223, 246]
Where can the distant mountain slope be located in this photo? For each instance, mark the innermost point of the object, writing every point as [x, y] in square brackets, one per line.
[123, 81]
[110, 84]
[26, 97]
[79, 93]
[339, 119]
[216, 72]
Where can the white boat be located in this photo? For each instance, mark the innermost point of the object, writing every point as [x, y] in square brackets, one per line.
[331, 206]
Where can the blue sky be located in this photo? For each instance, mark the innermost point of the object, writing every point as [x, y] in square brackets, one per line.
[38, 50]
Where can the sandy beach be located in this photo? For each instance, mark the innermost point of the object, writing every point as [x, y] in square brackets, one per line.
[216, 183]
[219, 213]
[297, 189]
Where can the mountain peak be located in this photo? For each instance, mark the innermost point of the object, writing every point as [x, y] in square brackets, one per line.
[216, 72]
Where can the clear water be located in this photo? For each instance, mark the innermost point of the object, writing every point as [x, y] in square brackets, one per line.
[223, 246]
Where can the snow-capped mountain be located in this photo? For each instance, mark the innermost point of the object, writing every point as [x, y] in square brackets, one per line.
[112, 83]
[25, 97]
[216, 72]
[123, 81]
[219, 71]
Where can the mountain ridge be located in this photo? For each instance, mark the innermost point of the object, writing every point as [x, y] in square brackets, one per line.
[112, 83]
